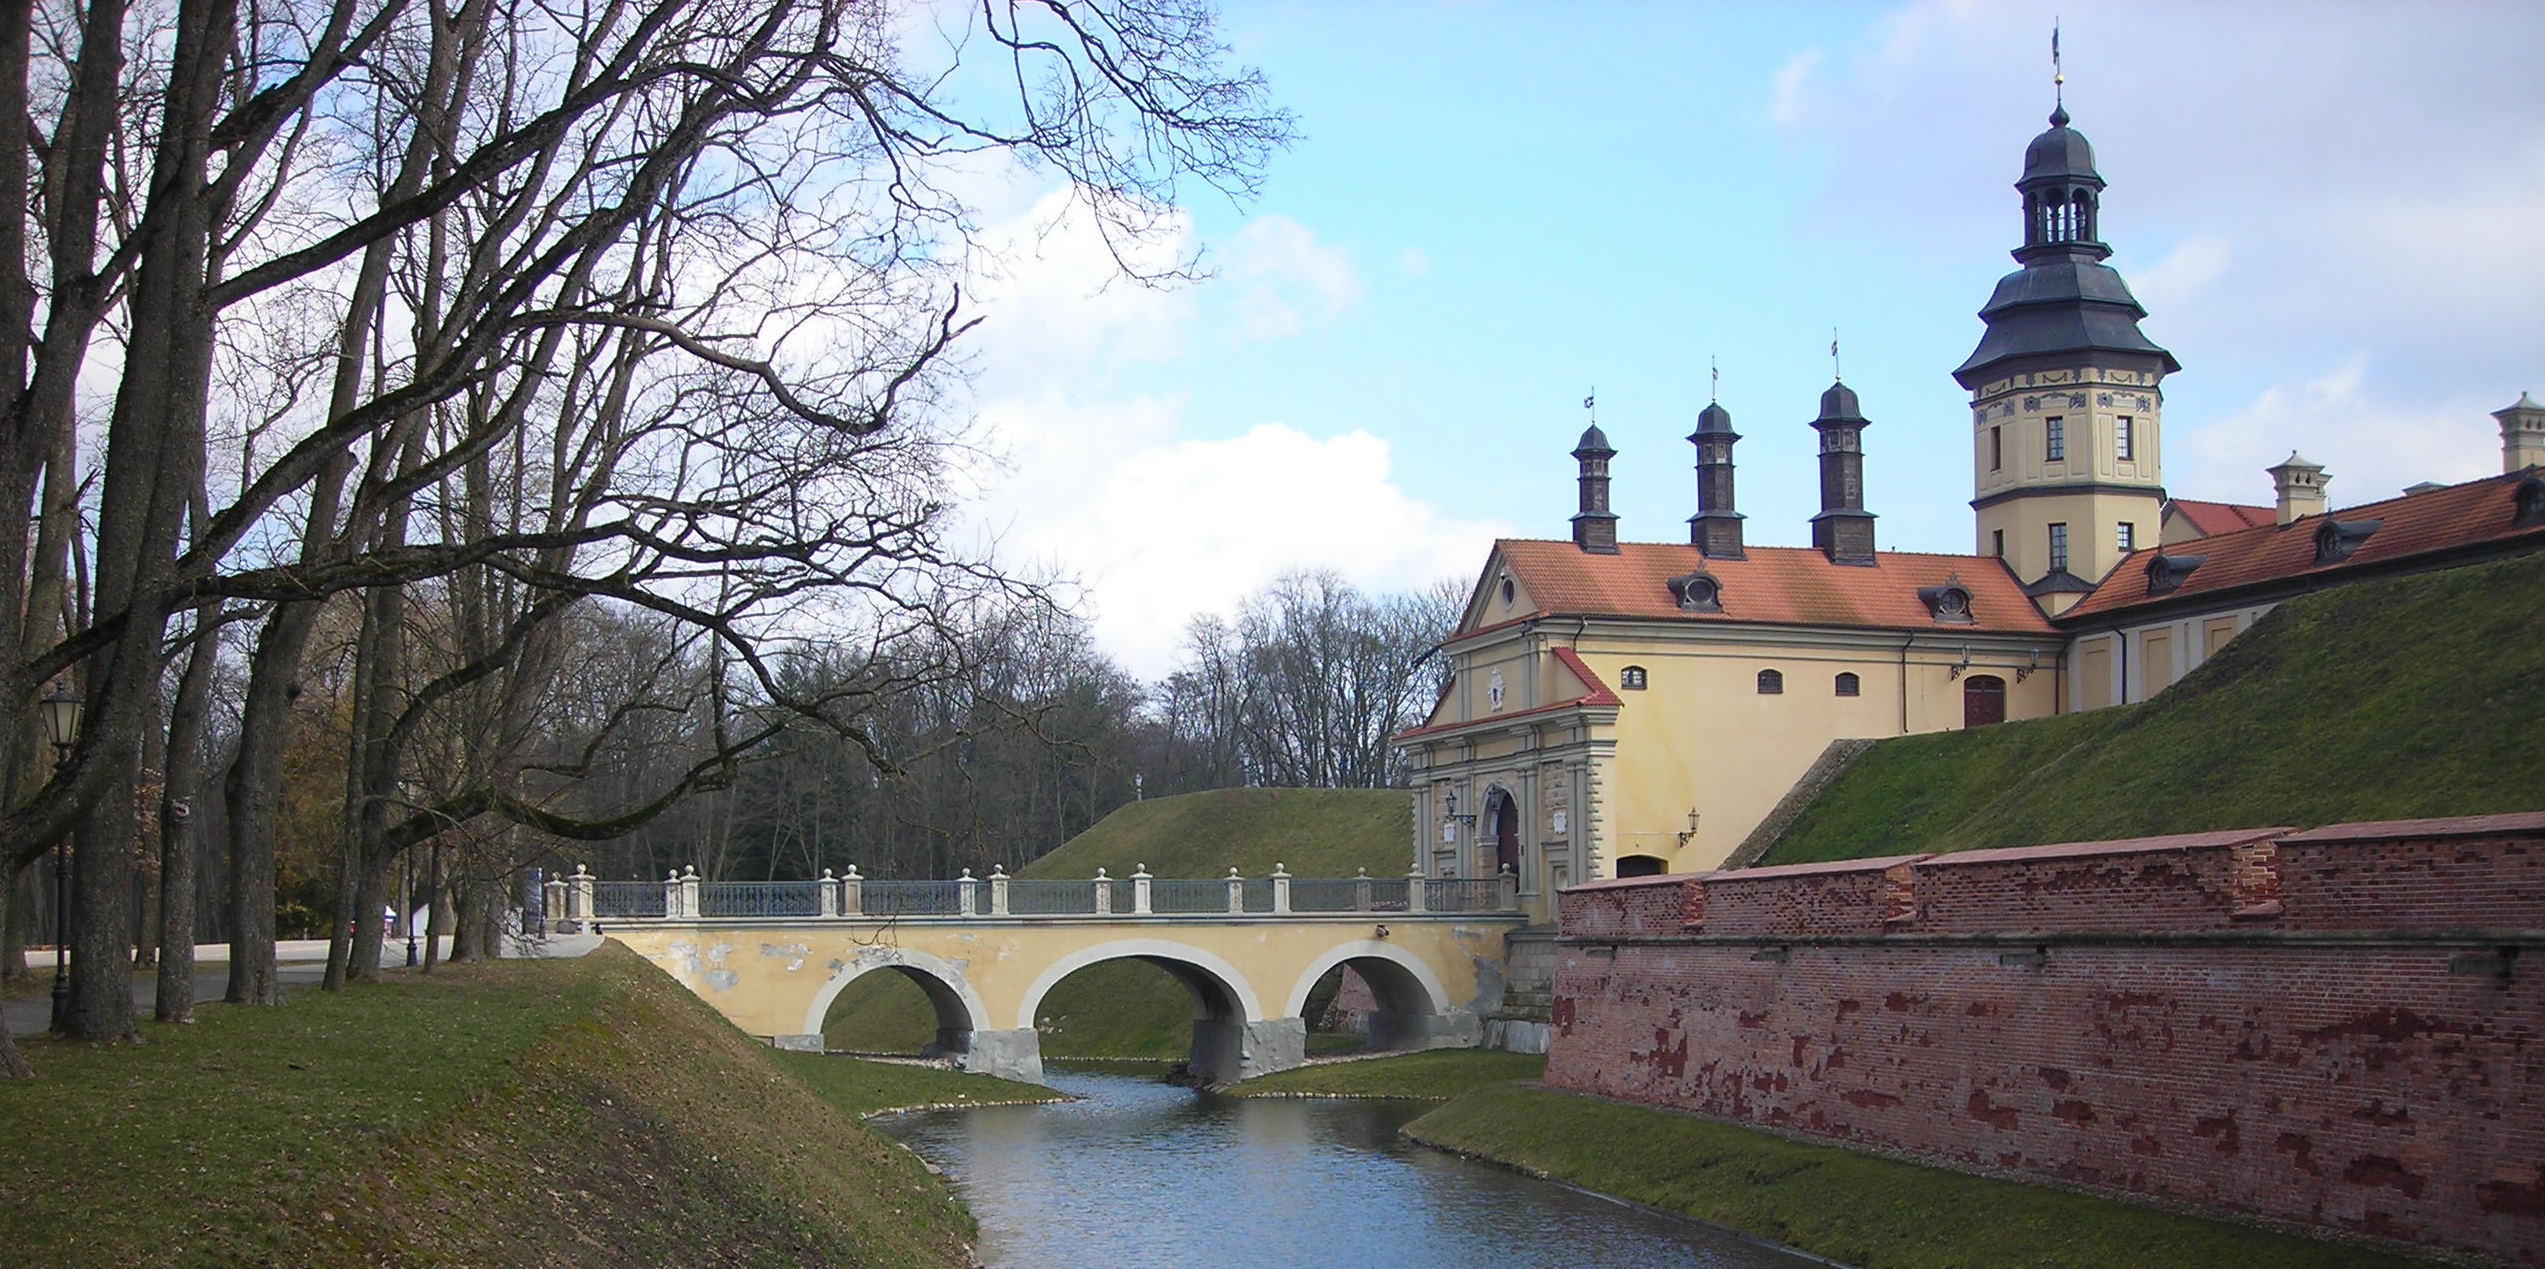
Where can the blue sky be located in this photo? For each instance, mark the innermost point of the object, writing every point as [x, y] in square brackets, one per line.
[2330, 211]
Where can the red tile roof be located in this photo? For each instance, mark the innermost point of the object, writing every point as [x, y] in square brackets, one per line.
[1781, 585]
[2475, 514]
[2221, 517]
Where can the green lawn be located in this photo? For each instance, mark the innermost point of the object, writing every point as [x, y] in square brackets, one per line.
[1311, 832]
[1435, 1075]
[2408, 697]
[1861, 1209]
[583, 1112]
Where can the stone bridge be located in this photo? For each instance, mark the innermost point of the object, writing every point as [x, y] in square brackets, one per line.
[772, 956]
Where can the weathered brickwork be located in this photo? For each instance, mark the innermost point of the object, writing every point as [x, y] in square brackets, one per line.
[2264, 1024]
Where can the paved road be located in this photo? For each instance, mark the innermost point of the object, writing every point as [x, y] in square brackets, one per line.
[300, 963]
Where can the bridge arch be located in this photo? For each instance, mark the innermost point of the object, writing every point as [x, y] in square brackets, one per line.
[959, 1008]
[1414, 1008]
[1218, 987]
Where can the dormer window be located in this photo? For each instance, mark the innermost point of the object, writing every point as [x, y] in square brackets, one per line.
[2335, 540]
[1949, 603]
[2166, 572]
[2528, 502]
[1697, 592]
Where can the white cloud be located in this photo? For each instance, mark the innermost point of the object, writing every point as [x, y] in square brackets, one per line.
[1085, 480]
[2184, 273]
[1197, 525]
[1789, 93]
[2371, 448]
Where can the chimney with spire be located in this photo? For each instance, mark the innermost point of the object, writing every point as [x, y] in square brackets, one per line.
[1595, 526]
[2300, 486]
[1844, 529]
[2522, 434]
[1715, 529]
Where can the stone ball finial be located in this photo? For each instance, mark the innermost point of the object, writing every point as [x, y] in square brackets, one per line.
[1100, 875]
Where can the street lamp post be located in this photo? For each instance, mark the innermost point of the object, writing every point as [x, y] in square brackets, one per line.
[62, 728]
[406, 902]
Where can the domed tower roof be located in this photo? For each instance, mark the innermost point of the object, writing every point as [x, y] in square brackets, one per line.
[2061, 154]
[1594, 441]
[1839, 405]
[1713, 420]
[2064, 303]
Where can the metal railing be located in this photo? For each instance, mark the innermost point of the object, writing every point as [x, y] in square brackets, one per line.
[759, 898]
[582, 898]
[641, 900]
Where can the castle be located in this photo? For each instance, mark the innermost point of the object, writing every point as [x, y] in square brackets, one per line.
[1628, 708]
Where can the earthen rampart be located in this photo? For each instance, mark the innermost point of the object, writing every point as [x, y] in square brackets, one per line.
[2342, 1027]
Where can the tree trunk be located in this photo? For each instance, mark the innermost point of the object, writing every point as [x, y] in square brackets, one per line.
[178, 836]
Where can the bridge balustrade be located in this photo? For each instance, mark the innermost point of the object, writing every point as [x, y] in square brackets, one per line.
[689, 897]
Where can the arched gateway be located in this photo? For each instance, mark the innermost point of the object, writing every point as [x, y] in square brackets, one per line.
[1434, 974]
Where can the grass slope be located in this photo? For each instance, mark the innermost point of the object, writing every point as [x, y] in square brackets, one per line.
[1312, 832]
[1861, 1209]
[2412, 696]
[586, 1112]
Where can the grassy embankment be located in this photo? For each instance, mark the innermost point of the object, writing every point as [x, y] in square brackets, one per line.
[1124, 1009]
[528, 1112]
[2413, 696]
[1858, 1208]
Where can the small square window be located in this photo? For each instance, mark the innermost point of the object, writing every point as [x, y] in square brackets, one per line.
[2058, 548]
[1850, 685]
[2055, 439]
[1631, 678]
[2125, 536]
[1771, 683]
[1997, 539]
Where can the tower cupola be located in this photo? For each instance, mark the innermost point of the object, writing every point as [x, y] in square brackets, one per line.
[2062, 195]
[1844, 529]
[1594, 526]
[2522, 434]
[1716, 528]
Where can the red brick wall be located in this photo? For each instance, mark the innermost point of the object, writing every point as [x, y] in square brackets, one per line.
[2172, 1032]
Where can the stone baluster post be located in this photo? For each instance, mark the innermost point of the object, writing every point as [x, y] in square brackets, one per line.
[1361, 890]
[1104, 894]
[828, 900]
[852, 893]
[967, 895]
[579, 899]
[1281, 890]
[1414, 891]
[1510, 889]
[998, 890]
[552, 897]
[1140, 890]
[671, 895]
[689, 893]
[1236, 892]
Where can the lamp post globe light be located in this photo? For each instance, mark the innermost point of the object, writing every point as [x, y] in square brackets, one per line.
[61, 713]
[406, 900]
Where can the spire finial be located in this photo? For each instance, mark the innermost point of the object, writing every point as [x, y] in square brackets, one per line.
[1591, 403]
[1835, 374]
[2058, 81]
[1714, 382]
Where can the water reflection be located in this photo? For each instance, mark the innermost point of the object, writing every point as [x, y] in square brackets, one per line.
[1139, 1173]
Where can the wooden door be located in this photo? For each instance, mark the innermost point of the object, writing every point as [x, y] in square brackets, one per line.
[1983, 700]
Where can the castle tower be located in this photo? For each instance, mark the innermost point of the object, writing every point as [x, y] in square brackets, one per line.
[1595, 526]
[1844, 529]
[1716, 528]
[2065, 391]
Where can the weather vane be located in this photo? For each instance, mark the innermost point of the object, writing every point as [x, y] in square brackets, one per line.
[2058, 77]
[1591, 403]
[1834, 371]
[1714, 383]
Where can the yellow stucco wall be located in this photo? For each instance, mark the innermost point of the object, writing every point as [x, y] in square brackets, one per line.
[779, 979]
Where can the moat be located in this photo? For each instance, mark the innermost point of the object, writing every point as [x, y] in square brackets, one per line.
[1142, 1173]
